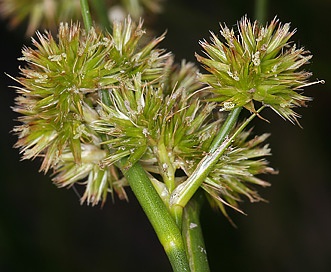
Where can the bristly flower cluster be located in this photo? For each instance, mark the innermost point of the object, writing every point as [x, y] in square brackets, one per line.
[60, 94]
[92, 99]
[259, 64]
[164, 125]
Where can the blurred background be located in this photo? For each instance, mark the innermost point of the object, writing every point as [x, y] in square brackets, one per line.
[43, 228]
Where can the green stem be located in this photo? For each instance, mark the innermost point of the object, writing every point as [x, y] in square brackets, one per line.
[191, 227]
[228, 125]
[183, 193]
[167, 171]
[192, 234]
[164, 225]
[177, 214]
[100, 8]
[86, 14]
[231, 120]
[261, 10]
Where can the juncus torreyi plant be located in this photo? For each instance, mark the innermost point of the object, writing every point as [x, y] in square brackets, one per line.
[153, 113]
[110, 110]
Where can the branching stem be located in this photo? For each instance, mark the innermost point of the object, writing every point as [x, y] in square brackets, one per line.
[164, 225]
[183, 193]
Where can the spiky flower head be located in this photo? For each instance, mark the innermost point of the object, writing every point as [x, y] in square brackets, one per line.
[258, 64]
[164, 125]
[61, 86]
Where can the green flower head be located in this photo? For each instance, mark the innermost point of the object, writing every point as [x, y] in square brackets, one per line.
[259, 64]
[163, 125]
[58, 101]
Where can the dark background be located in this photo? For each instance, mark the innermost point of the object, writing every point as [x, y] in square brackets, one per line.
[43, 228]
